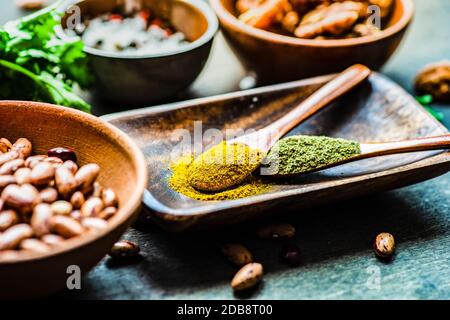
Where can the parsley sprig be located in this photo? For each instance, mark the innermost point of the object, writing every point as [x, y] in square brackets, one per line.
[37, 64]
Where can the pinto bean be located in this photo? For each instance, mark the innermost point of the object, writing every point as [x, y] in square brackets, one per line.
[86, 175]
[92, 207]
[40, 219]
[12, 237]
[42, 174]
[66, 226]
[65, 181]
[23, 147]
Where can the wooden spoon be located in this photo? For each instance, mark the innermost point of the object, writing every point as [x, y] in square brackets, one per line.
[372, 150]
[266, 137]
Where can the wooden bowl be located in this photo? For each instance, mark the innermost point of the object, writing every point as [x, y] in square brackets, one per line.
[143, 79]
[122, 166]
[277, 58]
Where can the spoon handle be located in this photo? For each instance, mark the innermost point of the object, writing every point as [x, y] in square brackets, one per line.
[339, 85]
[419, 144]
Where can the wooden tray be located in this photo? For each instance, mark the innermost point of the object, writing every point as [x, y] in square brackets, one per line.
[379, 110]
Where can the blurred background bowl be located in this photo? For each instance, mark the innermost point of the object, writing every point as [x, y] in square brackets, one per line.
[123, 168]
[278, 58]
[141, 79]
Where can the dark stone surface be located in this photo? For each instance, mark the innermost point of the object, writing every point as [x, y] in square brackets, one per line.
[335, 241]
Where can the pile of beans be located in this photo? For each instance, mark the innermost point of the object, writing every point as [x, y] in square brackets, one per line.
[46, 199]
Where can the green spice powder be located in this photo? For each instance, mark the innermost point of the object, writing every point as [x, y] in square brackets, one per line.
[298, 154]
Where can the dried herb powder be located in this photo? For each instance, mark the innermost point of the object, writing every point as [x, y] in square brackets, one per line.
[223, 166]
[299, 154]
[179, 181]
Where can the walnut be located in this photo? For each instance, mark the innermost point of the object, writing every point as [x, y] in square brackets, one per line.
[384, 5]
[434, 79]
[323, 11]
[266, 14]
[334, 19]
[365, 29]
[290, 21]
[30, 4]
[245, 5]
[303, 6]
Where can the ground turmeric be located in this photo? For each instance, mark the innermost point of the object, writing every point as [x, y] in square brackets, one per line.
[179, 181]
[223, 166]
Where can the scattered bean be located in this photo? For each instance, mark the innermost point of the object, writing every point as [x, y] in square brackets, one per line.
[247, 277]
[384, 245]
[124, 249]
[237, 254]
[276, 231]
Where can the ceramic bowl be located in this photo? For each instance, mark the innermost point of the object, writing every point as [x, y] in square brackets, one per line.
[277, 58]
[122, 166]
[139, 80]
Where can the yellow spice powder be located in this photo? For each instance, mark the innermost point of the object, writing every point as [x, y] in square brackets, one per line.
[179, 182]
[223, 166]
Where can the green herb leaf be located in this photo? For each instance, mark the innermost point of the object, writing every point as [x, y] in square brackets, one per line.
[425, 99]
[37, 64]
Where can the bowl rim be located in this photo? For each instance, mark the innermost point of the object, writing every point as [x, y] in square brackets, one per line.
[230, 20]
[123, 214]
[208, 35]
